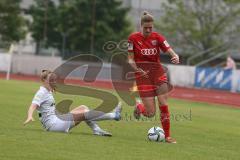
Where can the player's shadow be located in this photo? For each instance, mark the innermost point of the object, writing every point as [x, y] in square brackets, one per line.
[80, 133]
[30, 129]
[85, 134]
[43, 131]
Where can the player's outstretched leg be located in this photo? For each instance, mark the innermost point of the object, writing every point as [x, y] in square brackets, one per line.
[97, 130]
[165, 118]
[94, 115]
[116, 115]
[100, 132]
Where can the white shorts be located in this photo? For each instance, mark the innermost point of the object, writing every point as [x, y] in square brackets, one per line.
[62, 123]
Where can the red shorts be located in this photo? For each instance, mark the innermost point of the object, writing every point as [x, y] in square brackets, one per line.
[156, 83]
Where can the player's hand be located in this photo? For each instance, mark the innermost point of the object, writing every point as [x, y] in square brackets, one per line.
[175, 59]
[143, 73]
[29, 119]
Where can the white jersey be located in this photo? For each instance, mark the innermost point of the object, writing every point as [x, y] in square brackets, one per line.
[46, 106]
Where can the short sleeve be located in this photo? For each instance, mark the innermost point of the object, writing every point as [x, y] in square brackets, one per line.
[163, 44]
[130, 44]
[38, 98]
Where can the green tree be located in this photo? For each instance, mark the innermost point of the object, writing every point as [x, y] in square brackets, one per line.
[195, 26]
[12, 24]
[43, 27]
[83, 26]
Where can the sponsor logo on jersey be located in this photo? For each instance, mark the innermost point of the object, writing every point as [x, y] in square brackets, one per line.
[154, 42]
[130, 46]
[148, 52]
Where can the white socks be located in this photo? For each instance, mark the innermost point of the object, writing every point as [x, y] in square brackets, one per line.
[91, 116]
[94, 115]
[93, 125]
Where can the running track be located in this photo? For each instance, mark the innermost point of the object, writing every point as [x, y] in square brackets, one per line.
[198, 95]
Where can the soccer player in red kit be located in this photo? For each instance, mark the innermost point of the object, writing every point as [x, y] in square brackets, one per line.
[144, 56]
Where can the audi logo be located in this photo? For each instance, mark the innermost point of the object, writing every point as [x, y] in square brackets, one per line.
[152, 51]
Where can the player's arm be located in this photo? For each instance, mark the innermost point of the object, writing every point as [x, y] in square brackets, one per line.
[174, 56]
[165, 47]
[30, 112]
[131, 61]
[134, 66]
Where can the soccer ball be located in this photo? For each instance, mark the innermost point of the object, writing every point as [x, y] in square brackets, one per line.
[156, 134]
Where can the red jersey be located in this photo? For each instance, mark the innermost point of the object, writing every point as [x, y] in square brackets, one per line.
[147, 49]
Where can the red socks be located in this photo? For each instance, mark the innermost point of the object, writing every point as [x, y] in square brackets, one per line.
[141, 108]
[165, 119]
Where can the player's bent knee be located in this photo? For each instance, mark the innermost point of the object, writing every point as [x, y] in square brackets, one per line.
[84, 107]
[162, 102]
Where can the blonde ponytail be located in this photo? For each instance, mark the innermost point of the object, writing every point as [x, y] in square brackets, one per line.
[44, 74]
[146, 17]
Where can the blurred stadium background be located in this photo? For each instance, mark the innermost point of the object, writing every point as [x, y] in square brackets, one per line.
[43, 34]
[39, 34]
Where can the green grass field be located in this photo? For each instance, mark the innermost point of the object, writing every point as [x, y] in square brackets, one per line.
[212, 132]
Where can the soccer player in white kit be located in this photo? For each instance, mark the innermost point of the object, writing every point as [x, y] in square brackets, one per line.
[44, 103]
